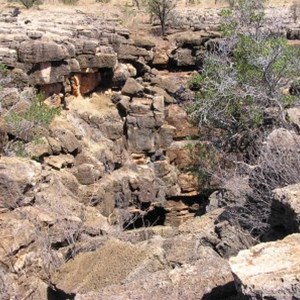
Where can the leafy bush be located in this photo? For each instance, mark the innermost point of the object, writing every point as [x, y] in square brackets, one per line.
[37, 114]
[69, 2]
[29, 3]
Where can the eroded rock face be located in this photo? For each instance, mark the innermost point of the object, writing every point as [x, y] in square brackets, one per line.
[269, 270]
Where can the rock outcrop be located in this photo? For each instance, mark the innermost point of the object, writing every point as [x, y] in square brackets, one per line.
[269, 270]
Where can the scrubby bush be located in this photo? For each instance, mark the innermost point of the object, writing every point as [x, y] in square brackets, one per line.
[241, 92]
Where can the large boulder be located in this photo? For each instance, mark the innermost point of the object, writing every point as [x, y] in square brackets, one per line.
[269, 270]
[132, 88]
[41, 51]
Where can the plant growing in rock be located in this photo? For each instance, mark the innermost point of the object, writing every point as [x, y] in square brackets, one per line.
[295, 11]
[161, 9]
[37, 113]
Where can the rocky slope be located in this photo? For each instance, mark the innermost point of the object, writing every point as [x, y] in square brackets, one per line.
[118, 156]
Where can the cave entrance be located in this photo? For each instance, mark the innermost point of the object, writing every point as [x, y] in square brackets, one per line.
[156, 216]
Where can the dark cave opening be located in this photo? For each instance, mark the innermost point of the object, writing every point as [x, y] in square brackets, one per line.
[156, 216]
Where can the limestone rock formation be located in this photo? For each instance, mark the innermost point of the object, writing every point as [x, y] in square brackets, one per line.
[269, 270]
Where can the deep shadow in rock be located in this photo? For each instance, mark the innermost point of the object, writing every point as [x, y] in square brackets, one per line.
[224, 292]
[57, 294]
[283, 221]
[155, 217]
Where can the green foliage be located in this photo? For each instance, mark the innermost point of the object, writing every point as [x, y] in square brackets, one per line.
[18, 147]
[40, 114]
[14, 120]
[37, 114]
[238, 82]
[29, 3]
[69, 2]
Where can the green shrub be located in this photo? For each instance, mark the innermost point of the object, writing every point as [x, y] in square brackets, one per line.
[70, 2]
[30, 3]
[37, 114]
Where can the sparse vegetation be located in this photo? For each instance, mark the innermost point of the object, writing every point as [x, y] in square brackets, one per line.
[37, 114]
[161, 9]
[241, 93]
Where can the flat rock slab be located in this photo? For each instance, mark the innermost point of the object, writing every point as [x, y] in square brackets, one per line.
[269, 270]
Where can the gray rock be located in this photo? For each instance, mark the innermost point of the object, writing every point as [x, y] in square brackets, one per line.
[132, 88]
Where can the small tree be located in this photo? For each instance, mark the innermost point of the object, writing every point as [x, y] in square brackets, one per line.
[29, 3]
[295, 10]
[161, 9]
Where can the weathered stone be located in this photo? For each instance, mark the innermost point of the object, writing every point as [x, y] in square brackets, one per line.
[41, 51]
[143, 42]
[17, 177]
[269, 270]
[160, 58]
[184, 58]
[48, 73]
[188, 182]
[87, 174]
[15, 235]
[88, 82]
[158, 103]
[9, 97]
[38, 148]
[69, 142]
[100, 60]
[130, 52]
[166, 83]
[211, 231]
[60, 161]
[178, 118]
[140, 139]
[132, 88]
